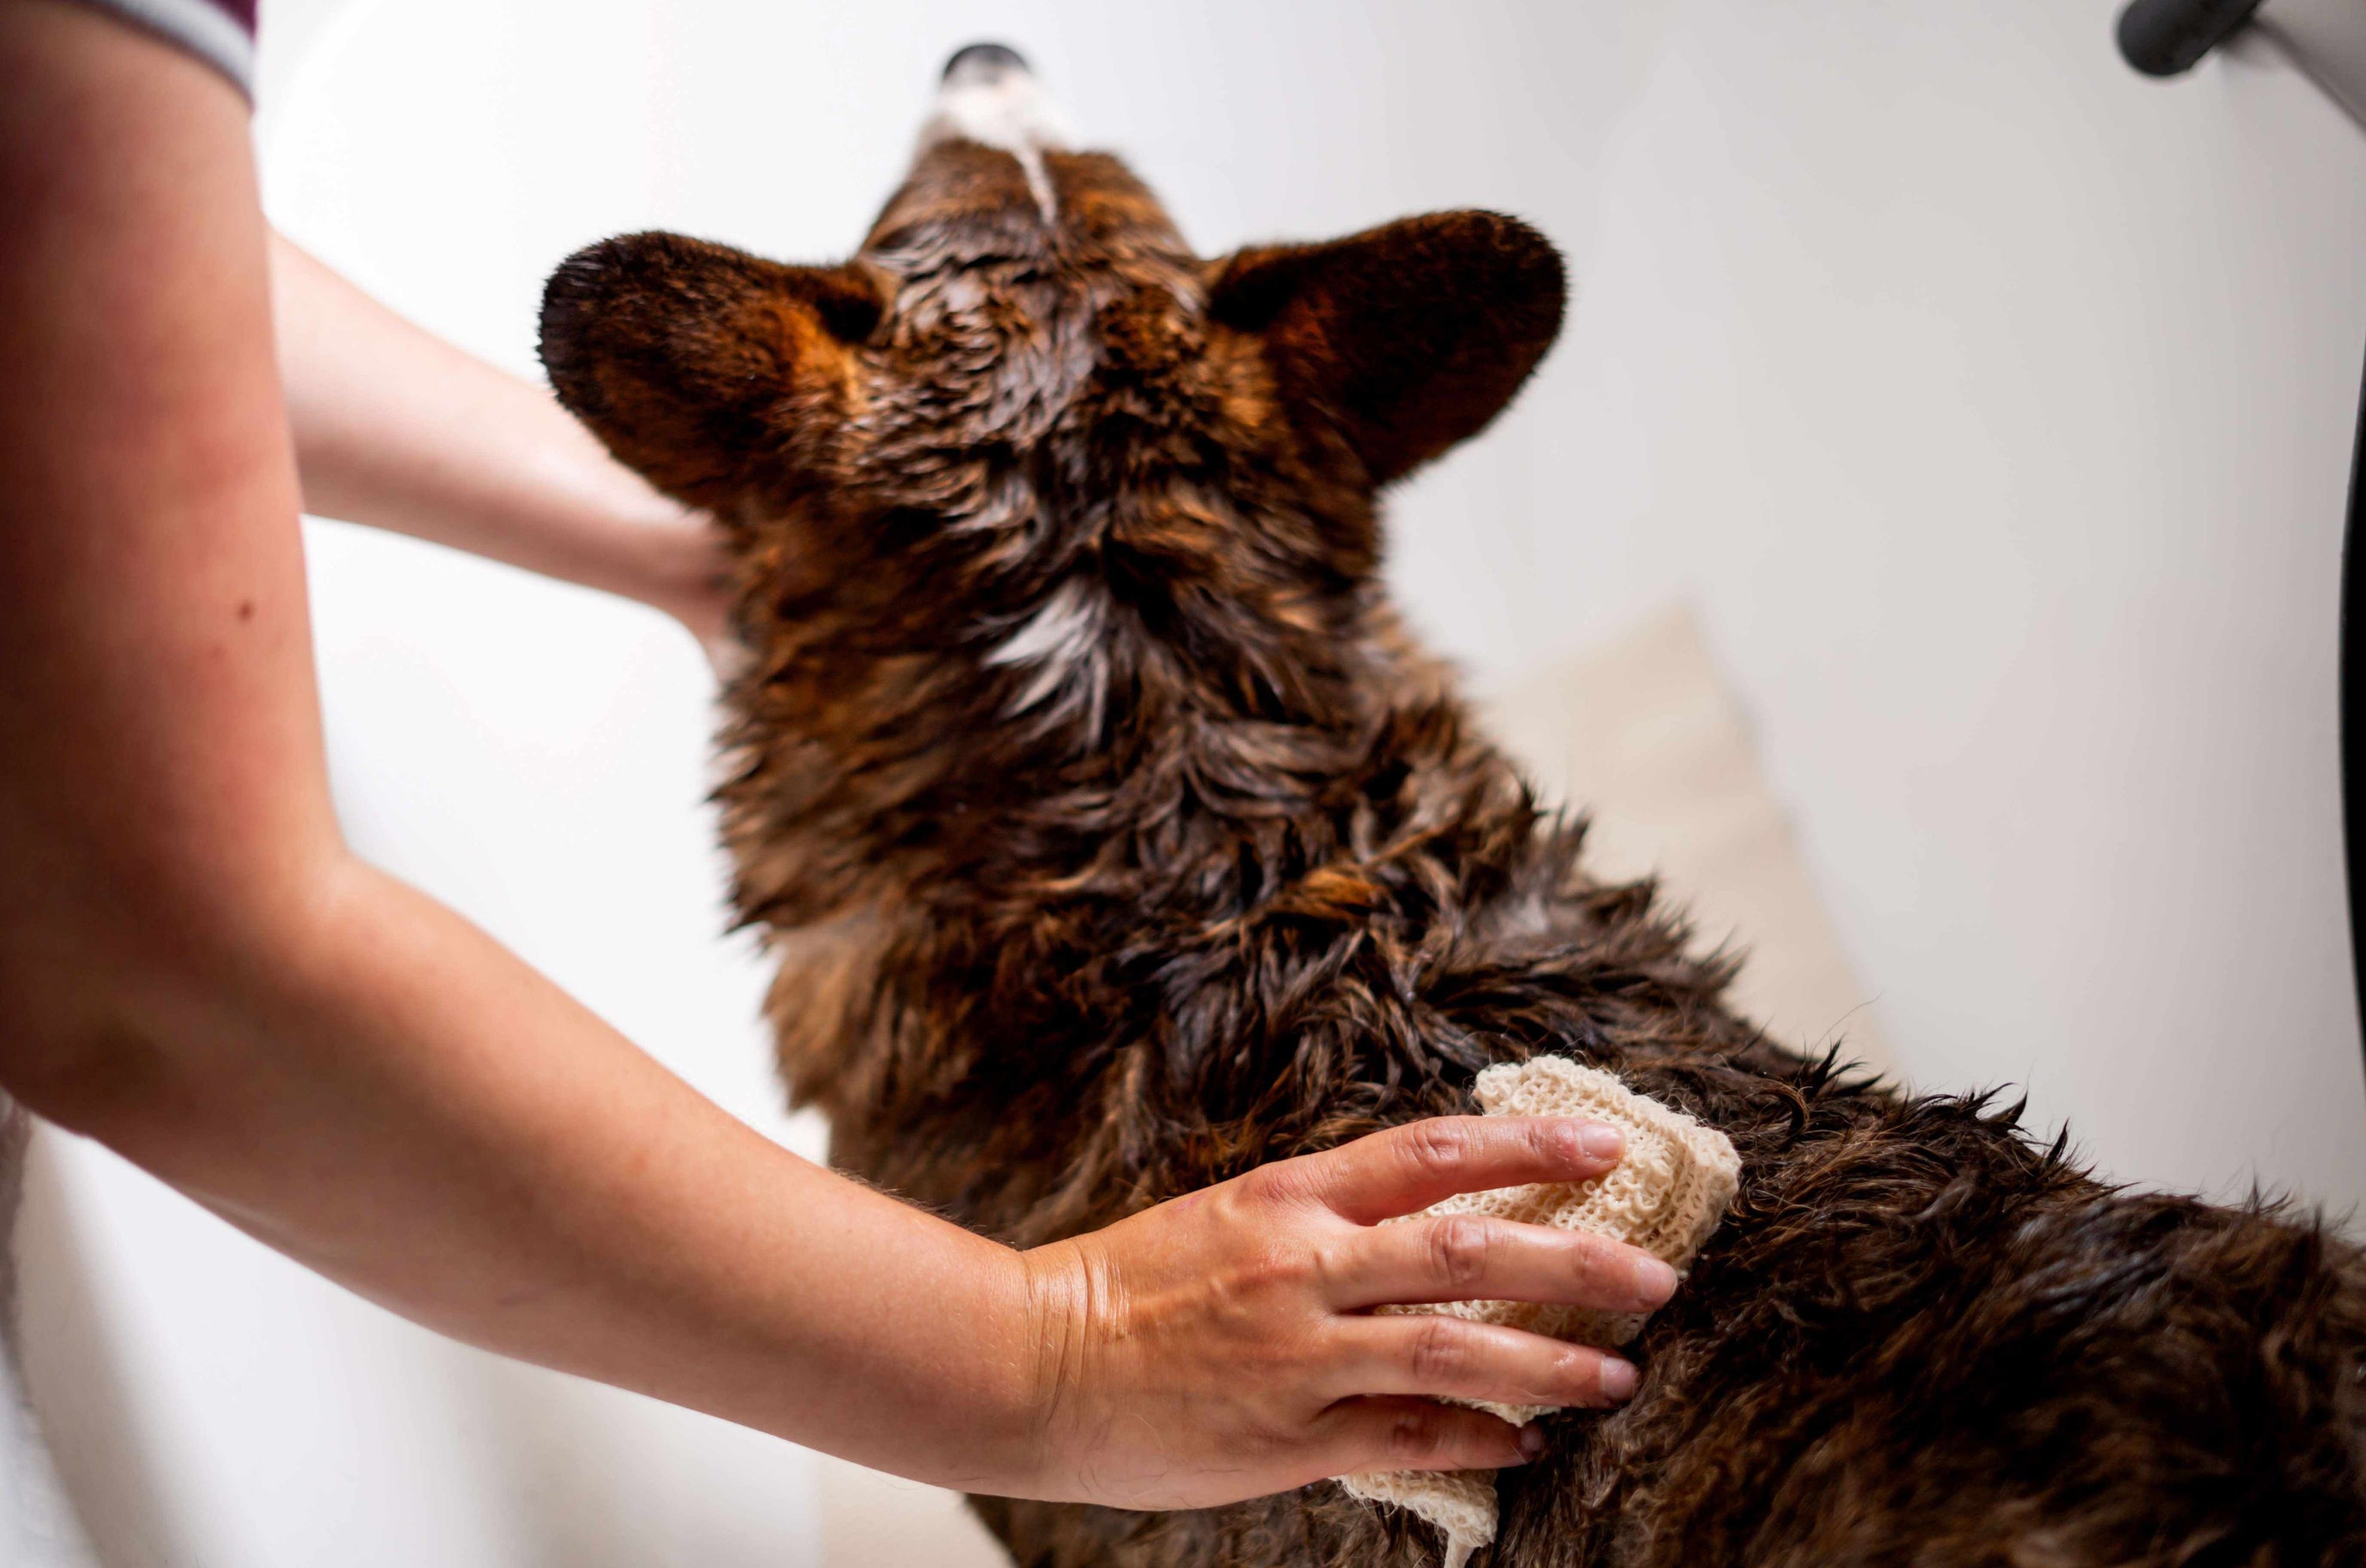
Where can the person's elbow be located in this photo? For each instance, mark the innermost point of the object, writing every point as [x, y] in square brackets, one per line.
[124, 989]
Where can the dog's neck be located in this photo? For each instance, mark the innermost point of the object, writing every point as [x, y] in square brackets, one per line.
[1211, 766]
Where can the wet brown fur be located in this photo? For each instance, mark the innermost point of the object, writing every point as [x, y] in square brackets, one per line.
[1113, 837]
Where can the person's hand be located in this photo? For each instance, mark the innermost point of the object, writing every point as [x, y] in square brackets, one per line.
[686, 573]
[1222, 1346]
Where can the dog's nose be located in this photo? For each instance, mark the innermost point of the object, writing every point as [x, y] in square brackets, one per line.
[991, 97]
[983, 62]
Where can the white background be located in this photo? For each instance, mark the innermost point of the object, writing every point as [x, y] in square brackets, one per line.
[1991, 405]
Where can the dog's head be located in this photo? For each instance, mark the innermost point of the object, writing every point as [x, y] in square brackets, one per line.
[1027, 438]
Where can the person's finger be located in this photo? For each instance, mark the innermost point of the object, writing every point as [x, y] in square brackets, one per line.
[1457, 1258]
[1358, 1436]
[1453, 1358]
[1383, 1175]
[727, 655]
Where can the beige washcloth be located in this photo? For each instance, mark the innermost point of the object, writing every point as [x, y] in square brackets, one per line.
[1666, 1196]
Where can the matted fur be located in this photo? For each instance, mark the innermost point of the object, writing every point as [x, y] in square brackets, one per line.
[1114, 838]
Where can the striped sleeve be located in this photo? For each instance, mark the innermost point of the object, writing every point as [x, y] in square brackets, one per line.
[219, 32]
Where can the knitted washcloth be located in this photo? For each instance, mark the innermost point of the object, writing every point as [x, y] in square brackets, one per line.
[1665, 1196]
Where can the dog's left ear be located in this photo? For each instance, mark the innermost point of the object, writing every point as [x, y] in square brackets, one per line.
[700, 366]
[1406, 338]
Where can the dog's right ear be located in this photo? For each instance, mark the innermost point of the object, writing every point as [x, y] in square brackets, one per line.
[1405, 339]
[698, 365]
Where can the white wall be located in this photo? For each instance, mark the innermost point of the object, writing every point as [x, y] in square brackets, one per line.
[1997, 404]
[1991, 406]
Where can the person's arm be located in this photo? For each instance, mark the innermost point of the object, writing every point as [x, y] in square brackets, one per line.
[195, 971]
[398, 429]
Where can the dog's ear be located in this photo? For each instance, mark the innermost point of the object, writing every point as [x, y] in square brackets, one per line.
[697, 364]
[1406, 338]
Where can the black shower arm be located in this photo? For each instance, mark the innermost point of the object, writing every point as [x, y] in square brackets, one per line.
[2326, 39]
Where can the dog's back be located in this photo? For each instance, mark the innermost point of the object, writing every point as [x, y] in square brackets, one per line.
[1115, 839]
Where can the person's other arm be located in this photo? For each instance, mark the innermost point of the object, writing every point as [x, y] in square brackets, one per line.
[398, 429]
[195, 971]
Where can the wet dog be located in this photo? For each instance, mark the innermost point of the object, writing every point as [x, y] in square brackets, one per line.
[1114, 837]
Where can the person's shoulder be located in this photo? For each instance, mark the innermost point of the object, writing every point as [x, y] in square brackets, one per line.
[219, 32]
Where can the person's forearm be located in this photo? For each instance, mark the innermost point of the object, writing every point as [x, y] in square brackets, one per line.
[379, 1091]
[195, 970]
[400, 430]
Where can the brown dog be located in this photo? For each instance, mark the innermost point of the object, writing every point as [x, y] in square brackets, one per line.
[1114, 838]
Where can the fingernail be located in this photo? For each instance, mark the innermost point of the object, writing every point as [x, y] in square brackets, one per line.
[1532, 1441]
[1618, 1380]
[1655, 1282]
[1602, 1143]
